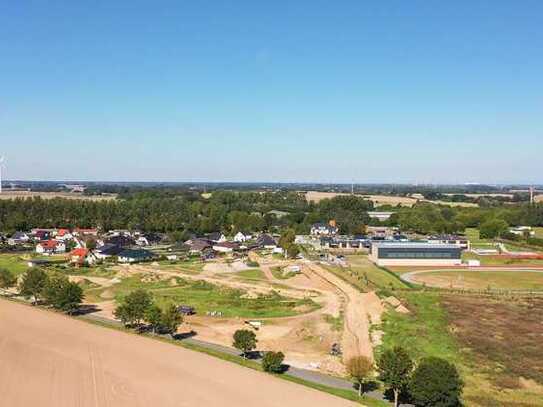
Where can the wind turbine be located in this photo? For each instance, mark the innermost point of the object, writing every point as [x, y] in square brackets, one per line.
[1, 162]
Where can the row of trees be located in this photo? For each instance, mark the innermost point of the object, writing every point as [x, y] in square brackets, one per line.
[230, 212]
[139, 307]
[431, 382]
[52, 289]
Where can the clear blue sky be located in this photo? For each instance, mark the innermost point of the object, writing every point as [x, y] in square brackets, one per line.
[329, 91]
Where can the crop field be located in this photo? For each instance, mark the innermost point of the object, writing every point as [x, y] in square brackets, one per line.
[496, 345]
[482, 279]
[51, 195]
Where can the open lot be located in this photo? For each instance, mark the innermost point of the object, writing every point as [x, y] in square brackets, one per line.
[481, 279]
[68, 363]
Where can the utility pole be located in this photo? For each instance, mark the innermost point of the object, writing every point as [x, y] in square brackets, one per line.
[531, 195]
[1, 162]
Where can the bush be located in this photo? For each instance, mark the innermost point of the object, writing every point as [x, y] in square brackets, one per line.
[436, 383]
[6, 278]
[272, 362]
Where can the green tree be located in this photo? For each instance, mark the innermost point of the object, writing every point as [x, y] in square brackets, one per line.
[133, 307]
[245, 341]
[436, 383]
[359, 369]
[153, 316]
[33, 283]
[287, 239]
[493, 228]
[62, 294]
[171, 319]
[395, 366]
[272, 362]
[7, 279]
[292, 251]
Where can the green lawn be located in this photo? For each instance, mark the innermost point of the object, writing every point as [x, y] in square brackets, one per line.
[250, 275]
[14, 263]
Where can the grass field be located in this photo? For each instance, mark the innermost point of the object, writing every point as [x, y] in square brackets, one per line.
[483, 279]
[205, 297]
[13, 263]
[251, 275]
[478, 336]
[365, 275]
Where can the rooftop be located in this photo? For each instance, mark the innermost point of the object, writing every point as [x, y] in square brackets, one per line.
[413, 245]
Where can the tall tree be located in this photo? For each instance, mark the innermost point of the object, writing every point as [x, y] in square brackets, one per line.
[171, 319]
[33, 283]
[395, 366]
[359, 368]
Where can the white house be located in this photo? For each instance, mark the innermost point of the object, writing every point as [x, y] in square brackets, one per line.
[18, 238]
[240, 237]
[323, 229]
[50, 247]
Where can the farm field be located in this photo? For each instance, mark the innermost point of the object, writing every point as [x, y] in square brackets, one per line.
[499, 369]
[68, 362]
[477, 279]
[51, 195]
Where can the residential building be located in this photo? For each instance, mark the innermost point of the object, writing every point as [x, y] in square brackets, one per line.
[135, 255]
[225, 247]
[107, 250]
[265, 241]
[50, 247]
[324, 229]
[18, 238]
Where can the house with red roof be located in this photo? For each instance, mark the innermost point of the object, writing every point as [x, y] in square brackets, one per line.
[81, 256]
[50, 246]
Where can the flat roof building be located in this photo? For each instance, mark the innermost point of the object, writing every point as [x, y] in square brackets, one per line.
[415, 254]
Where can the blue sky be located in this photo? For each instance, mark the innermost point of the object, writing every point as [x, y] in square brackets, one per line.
[382, 91]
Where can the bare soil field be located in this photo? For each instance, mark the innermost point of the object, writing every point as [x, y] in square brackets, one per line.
[315, 196]
[379, 200]
[504, 340]
[51, 195]
[50, 360]
[480, 279]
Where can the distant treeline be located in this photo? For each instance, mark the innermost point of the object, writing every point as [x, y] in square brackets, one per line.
[184, 212]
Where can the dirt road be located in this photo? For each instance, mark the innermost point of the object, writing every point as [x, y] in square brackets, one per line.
[361, 310]
[47, 360]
